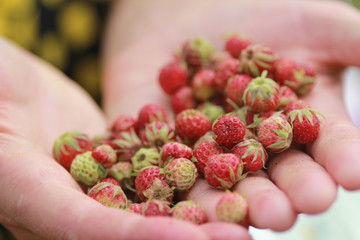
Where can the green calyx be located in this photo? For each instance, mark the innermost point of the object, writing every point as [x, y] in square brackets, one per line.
[145, 157]
[86, 169]
[285, 133]
[256, 56]
[129, 140]
[302, 114]
[159, 191]
[212, 111]
[254, 149]
[261, 88]
[121, 170]
[69, 139]
[158, 137]
[203, 47]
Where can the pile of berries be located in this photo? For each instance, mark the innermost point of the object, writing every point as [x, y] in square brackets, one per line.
[233, 109]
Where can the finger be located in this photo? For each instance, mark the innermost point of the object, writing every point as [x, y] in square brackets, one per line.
[338, 143]
[333, 38]
[228, 231]
[53, 209]
[268, 206]
[305, 182]
[22, 234]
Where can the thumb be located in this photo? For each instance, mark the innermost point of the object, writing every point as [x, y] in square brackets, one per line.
[45, 202]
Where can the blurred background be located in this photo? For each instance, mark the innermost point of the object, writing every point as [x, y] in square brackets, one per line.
[67, 34]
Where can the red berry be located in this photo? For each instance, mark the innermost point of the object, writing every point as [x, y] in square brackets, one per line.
[262, 94]
[235, 88]
[257, 58]
[105, 155]
[223, 170]
[150, 184]
[251, 153]
[235, 44]
[191, 124]
[306, 125]
[289, 73]
[228, 130]
[124, 123]
[203, 151]
[226, 69]
[174, 150]
[70, 144]
[173, 76]
[275, 133]
[151, 113]
[203, 84]
[182, 99]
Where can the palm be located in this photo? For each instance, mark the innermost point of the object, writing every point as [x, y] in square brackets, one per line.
[303, 31]
[40, 200]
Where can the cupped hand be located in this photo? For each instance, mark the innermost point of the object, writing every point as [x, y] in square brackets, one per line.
[39, 199]
[324, 34]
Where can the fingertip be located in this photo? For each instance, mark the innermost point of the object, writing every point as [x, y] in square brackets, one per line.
[225, 231]
[268, 206]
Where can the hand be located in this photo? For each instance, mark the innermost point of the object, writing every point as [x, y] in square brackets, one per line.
[39, 199]
[306, 31]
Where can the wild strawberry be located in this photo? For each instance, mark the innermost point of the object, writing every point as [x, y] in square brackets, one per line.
[189, 211]
[68, 145]
[197, 51]
[212, 111]
[102, 138]
[109, 195]
[122, 172]
[223, 170]
[251, 153]
[150, 184]
[145, 157]
[235, 88]
[207, 137]
[203, 151]
[203, 84]
[182, 99]
[181, 173]
[308, 81]
[275, 133]
[255, 59]
[262, 94]
[228, 130]
[236, 43]
[286, 96]
[151, 113]
[228, 68]
[123, 123]
[126, 144]
[85, 169]
[156, 134]
[245, 114]
[173, 76]
[151, 208]
[289, 73]
[109, 180]
[306, 125]
[191, 124]
[105, 155]
[174, 150]
[295, 105]
[231, 207]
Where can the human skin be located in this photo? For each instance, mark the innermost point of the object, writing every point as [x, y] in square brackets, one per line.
[299, 180]
[39, 199]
